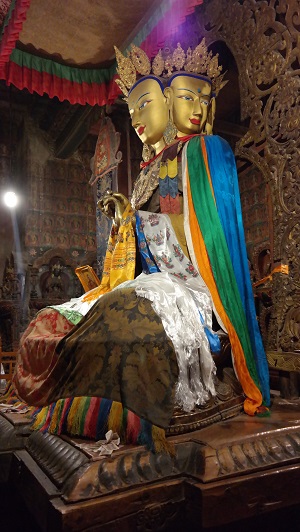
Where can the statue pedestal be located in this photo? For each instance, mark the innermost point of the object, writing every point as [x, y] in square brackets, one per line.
[235, 469]
[14, 431]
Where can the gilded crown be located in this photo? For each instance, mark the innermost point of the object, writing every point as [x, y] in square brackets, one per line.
[166, 62]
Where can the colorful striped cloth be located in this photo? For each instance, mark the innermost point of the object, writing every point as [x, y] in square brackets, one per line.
[215, 236]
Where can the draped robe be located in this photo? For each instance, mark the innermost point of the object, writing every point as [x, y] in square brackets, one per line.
[119, 350]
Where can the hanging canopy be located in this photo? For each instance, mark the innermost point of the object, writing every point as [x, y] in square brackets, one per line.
[65, 49]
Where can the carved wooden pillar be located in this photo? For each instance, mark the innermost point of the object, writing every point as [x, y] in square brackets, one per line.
[263, 37]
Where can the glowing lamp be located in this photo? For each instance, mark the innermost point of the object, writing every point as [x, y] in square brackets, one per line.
[11, 199]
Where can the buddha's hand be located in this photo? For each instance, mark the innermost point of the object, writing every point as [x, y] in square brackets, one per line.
[113, 204]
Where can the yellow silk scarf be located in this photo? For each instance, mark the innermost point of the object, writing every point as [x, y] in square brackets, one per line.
[119, 263]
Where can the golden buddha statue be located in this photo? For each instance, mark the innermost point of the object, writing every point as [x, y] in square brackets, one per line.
[145, 344]
[149, 107]
[191, 102]
[195, 80]
[174, 105]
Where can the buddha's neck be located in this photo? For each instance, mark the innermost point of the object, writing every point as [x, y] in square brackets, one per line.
[159, 146]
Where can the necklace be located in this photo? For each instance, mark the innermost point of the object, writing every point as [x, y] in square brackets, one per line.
[145, 184]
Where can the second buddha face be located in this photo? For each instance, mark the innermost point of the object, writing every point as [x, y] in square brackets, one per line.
[149, 111]
[191, 100]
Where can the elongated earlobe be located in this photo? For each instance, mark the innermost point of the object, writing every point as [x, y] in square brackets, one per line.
[168, 94]
[210, 117]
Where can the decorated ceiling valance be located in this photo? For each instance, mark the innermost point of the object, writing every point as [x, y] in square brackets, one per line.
[52, 48]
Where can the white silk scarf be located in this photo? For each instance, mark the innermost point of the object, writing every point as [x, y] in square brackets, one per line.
[179, 295]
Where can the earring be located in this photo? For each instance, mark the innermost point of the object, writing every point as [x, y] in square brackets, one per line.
[210, 117]
[170, 132]
[147, 153]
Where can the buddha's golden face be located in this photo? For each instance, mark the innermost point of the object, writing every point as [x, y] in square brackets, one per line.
[149, 111]
[190, 104]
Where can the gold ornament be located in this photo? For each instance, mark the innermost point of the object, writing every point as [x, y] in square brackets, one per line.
[188, 62]
[126, 70]
[213, 68]
[140, 60]
[147, 153]
[178, 57]
[168, 61]
[200, 58]
[158, 64]
[170, 132]
[120, 84]
[219, 83]
[169, 64]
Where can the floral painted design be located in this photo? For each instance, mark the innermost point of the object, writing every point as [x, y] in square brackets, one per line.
[165, 247]
[178, 252]
[158, 238]
[166, 260]
[190, 269]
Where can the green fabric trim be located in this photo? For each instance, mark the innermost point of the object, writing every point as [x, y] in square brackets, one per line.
[72, 74]
[59, 414]
[45, 411]
[83, 75]
[217, 249]
[73, 316]
[8, 17]
[85, 408]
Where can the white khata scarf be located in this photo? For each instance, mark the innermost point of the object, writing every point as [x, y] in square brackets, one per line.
[179, 296]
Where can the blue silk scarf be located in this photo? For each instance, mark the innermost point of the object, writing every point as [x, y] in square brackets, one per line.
[225, 184]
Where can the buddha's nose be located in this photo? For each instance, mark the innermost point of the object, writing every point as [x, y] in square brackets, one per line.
[135, 118]
[135, 121]
[197, 107]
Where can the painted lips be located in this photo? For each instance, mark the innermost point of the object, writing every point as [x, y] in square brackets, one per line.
[195, 121]
[141, 130]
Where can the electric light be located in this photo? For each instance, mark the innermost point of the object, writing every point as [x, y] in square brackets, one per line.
[11, 199]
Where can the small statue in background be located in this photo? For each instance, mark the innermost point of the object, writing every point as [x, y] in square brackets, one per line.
[11, 286]
[54, 283]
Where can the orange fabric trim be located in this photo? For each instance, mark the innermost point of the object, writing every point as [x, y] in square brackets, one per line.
[254, 398]
[203, 146]
[281, 268]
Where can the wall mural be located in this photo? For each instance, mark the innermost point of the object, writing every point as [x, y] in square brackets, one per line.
[60, 211]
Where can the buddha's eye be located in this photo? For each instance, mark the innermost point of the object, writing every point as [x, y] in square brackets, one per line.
[205, 102]
[144, 104]
[187, 98]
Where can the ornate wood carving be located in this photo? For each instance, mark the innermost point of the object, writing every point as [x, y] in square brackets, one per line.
[14, 430]
[263, 37]
[251, 465]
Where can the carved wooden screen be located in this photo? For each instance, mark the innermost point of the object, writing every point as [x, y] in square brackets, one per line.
[263, 37]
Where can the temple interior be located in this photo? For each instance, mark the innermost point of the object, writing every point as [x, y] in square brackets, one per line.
[59, 107]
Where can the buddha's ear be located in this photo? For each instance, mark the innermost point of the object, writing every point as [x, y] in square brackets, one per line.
[210, 116]
[168, 94]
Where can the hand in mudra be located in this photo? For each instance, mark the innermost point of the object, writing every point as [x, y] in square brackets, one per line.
[113, 205]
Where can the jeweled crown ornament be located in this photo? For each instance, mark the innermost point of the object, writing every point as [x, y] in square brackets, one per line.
[168, 61]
